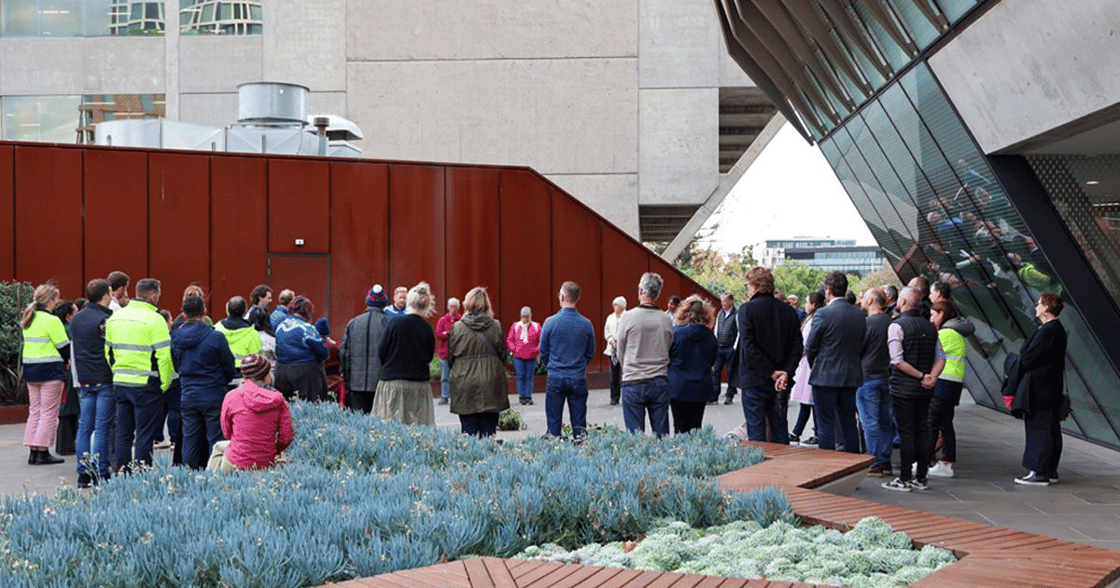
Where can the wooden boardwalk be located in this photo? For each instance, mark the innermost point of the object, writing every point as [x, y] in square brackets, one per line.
[989, 556]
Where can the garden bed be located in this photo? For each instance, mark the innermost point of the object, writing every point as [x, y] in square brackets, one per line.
[362, 497]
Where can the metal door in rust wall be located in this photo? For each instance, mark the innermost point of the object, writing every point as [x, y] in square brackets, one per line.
[306, 275]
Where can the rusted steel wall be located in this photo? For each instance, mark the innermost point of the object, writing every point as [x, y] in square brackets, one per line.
[229, 221]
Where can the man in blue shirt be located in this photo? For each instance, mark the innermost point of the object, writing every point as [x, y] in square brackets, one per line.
[567, 346]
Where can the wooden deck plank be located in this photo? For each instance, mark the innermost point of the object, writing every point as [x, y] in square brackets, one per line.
[499, 573]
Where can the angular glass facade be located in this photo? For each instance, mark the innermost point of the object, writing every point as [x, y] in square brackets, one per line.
[935, 206]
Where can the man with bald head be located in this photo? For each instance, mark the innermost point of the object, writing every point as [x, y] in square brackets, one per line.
[916, 361]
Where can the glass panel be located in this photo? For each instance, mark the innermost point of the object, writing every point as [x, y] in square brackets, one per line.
[96, 17]
[954, 9]
[21, 18]
[921, 30]
[49, 119]
[896, 56]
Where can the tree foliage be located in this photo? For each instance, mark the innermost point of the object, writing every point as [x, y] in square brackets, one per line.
[14, 296]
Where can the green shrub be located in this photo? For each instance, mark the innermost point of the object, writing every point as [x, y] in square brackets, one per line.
[14, 297]
[362, 497]
[868, 555]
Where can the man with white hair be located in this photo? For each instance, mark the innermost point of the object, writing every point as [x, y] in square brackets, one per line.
[443, 334]
[644, 336]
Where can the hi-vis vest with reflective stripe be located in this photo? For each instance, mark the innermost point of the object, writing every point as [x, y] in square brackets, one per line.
[242, 342]
[43, 339]
[138, 345]
[955, 349]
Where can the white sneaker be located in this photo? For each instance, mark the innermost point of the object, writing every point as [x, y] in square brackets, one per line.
[942, 469]
[165, 444]
[738, 433]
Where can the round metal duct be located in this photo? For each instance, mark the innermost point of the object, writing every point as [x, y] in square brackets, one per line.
[272, 102]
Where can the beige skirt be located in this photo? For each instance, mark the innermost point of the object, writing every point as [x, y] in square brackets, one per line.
[407, 401]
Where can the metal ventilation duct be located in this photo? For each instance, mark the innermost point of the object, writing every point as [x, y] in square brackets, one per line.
[271, 103]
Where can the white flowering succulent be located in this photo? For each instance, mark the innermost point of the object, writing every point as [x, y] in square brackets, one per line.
[870, 555]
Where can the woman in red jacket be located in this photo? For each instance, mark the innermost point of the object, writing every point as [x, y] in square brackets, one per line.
[255, 419]
[524, 341]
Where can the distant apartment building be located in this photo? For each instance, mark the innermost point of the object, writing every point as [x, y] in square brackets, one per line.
[828, 254]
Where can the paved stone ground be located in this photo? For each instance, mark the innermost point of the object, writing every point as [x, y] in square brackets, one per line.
[1084, 507]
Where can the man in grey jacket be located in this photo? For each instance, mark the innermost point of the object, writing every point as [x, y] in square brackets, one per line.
[644, 336]
[360, 364]
[833, 351]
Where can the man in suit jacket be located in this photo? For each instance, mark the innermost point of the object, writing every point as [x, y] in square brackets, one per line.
[769, 349]
[833, 351]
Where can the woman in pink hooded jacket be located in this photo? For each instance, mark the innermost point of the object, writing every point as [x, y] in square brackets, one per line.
[255, 419]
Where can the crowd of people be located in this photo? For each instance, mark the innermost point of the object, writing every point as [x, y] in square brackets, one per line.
[893, 361]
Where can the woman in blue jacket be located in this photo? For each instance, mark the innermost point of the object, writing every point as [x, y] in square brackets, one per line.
[691, 356]
[300, 351]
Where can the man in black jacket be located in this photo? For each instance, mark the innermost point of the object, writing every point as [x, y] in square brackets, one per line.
[832, 348]
[770, 347]
[95, 385]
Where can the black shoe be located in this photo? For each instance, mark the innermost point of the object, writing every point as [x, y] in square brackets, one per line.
[614, 403]
[45, 458]
[443, 401]
[716, 401]
[33, 457]
[1033, 479]
[521, 401]
[84, 481]
[729, 400]
[529, 401]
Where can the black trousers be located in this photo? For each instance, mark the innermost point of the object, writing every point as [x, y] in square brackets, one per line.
[308, 379]
[912, 417]
[941, 423]
[687, 415]
[616, 381]
[1044, 442]
[360, 400]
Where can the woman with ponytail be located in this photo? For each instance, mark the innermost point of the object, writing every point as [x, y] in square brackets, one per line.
[46, 349]
[406, 350]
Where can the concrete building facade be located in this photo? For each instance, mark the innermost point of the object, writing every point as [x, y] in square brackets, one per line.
[618, 102]
[977, 139]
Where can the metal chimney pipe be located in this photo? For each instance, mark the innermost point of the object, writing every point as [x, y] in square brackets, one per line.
[321, 124]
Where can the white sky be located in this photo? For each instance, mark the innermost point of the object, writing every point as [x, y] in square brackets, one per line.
[790, 191]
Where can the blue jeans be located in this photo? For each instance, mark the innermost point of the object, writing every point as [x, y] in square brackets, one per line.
[444, 379]
[831, 403]
[573, 389]
[480, 424]
[138, 412]
[723, 360]
[761, 405]
[99, 406]
[874, 402]
[651, 395]
[525, 369]
[202, 427]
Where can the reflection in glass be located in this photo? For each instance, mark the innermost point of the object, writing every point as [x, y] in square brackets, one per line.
[934, 204]
[69, 119]
[220, 17]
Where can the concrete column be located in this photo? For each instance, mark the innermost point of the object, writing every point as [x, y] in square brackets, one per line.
[727, 181]
[171, 58]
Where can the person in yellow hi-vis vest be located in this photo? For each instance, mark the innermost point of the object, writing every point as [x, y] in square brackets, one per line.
[46, 349]
[951, 331]
[138, 346]
[243, 339]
